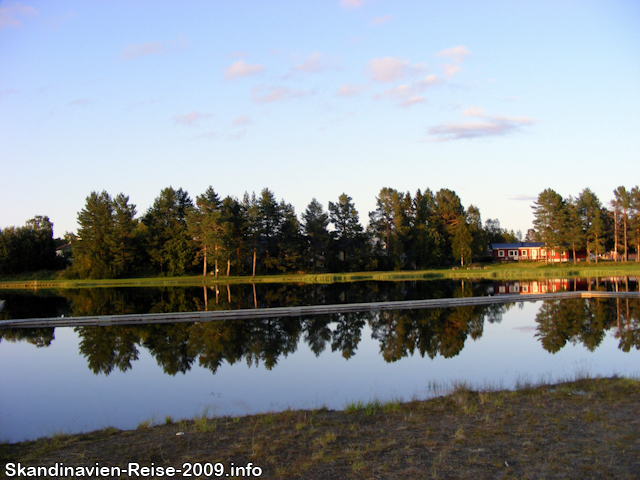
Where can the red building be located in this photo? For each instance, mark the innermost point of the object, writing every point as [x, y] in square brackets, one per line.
[531, 251]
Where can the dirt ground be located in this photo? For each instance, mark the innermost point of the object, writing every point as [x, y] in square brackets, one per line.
[584, 429]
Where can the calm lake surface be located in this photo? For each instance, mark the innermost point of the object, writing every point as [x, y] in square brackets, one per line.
[84, 378]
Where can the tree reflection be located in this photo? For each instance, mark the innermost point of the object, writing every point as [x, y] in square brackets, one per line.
[40, 337]
[106, 348]
[348, 332]
[586, 321]
[429, 332]
[627, 327]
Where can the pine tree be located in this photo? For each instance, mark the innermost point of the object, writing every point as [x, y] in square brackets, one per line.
[576, 229]
[550, 221]
[314, 228]
[203, 225]
[93, 247]
[622, 203]
[122, 242]
[348, 233]
[592, 222]
[170, 247]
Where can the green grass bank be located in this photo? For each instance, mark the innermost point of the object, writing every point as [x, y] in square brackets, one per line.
[587, 428]
[519, 271]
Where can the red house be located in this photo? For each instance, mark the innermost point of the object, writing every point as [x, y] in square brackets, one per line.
[530, 251]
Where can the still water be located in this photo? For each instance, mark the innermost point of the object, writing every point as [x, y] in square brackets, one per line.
[84, 378]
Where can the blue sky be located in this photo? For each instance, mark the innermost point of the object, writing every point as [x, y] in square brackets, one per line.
[496, 100]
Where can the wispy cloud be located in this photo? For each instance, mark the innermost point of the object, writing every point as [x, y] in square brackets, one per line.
[142, 103]
[387, 69]
[137, 50]
[429, 80]
[350, 90]
[241, 120]
[240, 68]
[8, 91]
[450, 70]
[80, 102]
[9, 15]
[238, 54]
[238, 135]
[381, 20]
[208, 135]
[342, 118]
[314, 63]
[351, 3]
[262, 94]
[524, 198]
[457, 54]
[413, 100]
[190, 118]
[407, 95]
[404, 95]
[487, 126]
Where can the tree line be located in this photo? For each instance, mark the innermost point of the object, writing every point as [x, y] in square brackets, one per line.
[583, 223]
[261, 235]
[29, 248]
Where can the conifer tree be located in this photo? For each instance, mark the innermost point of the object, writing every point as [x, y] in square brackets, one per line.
[592, 222]
[169, 245]
[348, 233]
[550, 221]
[314, 228]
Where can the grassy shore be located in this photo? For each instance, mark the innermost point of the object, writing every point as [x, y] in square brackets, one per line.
[511, 271]
[588, 428]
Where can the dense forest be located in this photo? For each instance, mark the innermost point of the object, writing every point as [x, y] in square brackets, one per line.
[259, 235]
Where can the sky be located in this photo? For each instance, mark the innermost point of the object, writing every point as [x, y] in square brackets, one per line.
[496, 100]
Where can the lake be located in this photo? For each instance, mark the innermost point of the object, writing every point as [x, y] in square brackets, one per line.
[84, 378]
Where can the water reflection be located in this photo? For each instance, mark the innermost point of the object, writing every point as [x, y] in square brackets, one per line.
[586, 321]
[120, 301]
[429, 332]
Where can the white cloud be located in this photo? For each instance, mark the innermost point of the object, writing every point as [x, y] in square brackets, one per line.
[137, 50]
[457, 54]
[350, 90]
[473, 111]
[241, 120]
[238, 135]
[387, 69]
[238, 54]
[450, 70]
[381, 20]
[8, 15]
[81, 102]
[190, 118]
[413, 100]
[8, 91]
[262, 94]
[489, 125]
[210, 135]
[142, 103]
[524, 198]
[429, 80]
[240, 69]
[315, 63]
[406, 95]
[343, 117]
[351, 3]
